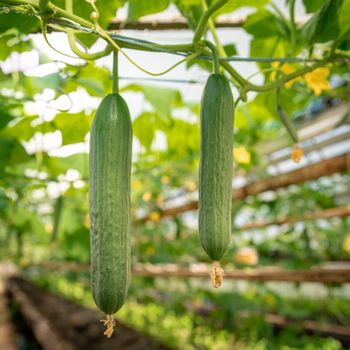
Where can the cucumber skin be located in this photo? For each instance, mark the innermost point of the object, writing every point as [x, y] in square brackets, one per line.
[110, 171]
[216, 166]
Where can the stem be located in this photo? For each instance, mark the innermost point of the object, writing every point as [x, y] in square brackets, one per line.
[292, 24]
[103, 34]
[212, 29]
[73, 45]
[339, 41]
[278, 83]
[235, 75]
[115, 74]
[285, 119]
[205, 18]
[55, 10]
[216, 63]
[85, 55]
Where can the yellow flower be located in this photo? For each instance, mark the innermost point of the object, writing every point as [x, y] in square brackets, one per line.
[155, 216]
[190, 185]
[165, 180]
[160, 200]
[136, 184]
[286, 69]
[297, 153]
[241, 155]
[147, 196]
[317, 80]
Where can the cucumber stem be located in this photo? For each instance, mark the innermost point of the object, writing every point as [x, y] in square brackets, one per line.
[205, 18]
[115, 88]
[216, 62]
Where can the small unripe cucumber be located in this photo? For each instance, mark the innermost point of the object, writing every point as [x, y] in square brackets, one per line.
[110, 170]
[216, 163]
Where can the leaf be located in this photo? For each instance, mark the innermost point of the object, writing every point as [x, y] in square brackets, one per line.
[344, 17]
[11, 41]
[312, 5]
[96, 80]
[267, 47]
[261, 24]
[182, 138]
[24, 24]
[233, 5]
[73, 127]
[59, 165]
[324, 24]
[144, 128]
[52, 81]
[191, 10]
[230, 50]
[162, 99]
[139, 8]
[11, 152]
[22, 129]
[5, 118]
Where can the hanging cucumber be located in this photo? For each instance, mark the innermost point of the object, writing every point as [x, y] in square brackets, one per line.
[110, 170]
[215, 170]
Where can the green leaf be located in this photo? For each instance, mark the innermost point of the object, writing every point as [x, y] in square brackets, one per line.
[261, 24]
[59, 165]
[79, 162]
[52, 81]
[96, 80]
[191, 10]
[324, 24]
[233, 5]
[73, 127]
[22, 129]
[344, 17]
[162, 99]
[11, 41]
[312, 5]
[267, 47]
[139, 8]
[24, 24]
[144, 128]
[230, 50]
[5, 118]
[11, 152]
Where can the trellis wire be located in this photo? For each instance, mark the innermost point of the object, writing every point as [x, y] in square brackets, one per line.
[180, 81]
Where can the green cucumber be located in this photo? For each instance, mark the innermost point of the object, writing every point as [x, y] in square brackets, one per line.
[110, 170]
[216, 163]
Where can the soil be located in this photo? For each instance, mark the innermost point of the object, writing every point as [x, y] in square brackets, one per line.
[59, 324]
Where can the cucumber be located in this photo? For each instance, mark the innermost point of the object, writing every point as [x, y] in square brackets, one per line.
[110, 171]
[215, 169]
